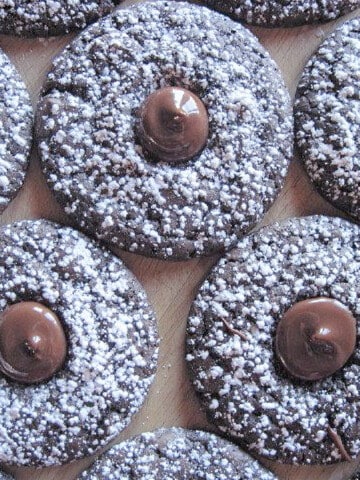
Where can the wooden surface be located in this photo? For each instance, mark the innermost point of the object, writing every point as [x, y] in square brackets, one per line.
[171, 286]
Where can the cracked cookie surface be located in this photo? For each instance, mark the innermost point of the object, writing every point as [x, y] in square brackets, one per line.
[231, 333]
[98, 170]
[111, 345]
[43, 18]
[327, 118]
[280, 13]
[176, 453]
[16, 121]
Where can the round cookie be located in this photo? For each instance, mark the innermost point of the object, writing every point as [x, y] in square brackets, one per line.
[16, 118]
[111, 345]
[88, 130]
[176, 453]
[327, 118]
[233, 325]
[43, 18]
[280, 13]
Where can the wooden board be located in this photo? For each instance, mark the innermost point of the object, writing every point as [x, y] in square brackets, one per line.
[171, 286]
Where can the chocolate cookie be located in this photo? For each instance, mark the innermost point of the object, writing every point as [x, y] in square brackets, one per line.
[42, 18]
[16, 117]
[327, 118]
[272, 346]
[165, 129]
[78, 345]
[283, 13]
[176, 453]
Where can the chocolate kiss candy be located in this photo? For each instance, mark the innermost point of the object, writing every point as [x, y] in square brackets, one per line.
[315, 338]
[173, 125]
[32, 342]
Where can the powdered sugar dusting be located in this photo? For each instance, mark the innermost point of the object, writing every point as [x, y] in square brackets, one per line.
[327, 114]
[50, 17]
[277, 13]
[16, 117]
[112, 345]
[176, 453]
[241, 383]
[95, 165]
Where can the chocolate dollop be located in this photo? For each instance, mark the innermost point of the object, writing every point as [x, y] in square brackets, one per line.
[315, 338]
[173, 125]
[32, 342]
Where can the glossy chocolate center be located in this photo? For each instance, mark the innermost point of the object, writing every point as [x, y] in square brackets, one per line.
[32, 342]
[315, 338]
[173, 125]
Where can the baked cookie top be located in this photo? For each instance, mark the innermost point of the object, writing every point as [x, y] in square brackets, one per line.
[280, 13]
[327, 118]
[176, 453]
[105, 325]
[241, 354]
[101, 148]
[43, 18]
[16, 119]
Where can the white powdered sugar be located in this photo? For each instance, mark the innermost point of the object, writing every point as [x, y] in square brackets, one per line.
[327, 118]
[95, 164]
[16, 118]
[112, 345]
[240, 381]
[172, 453]
[50, 17]
[278, 13]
